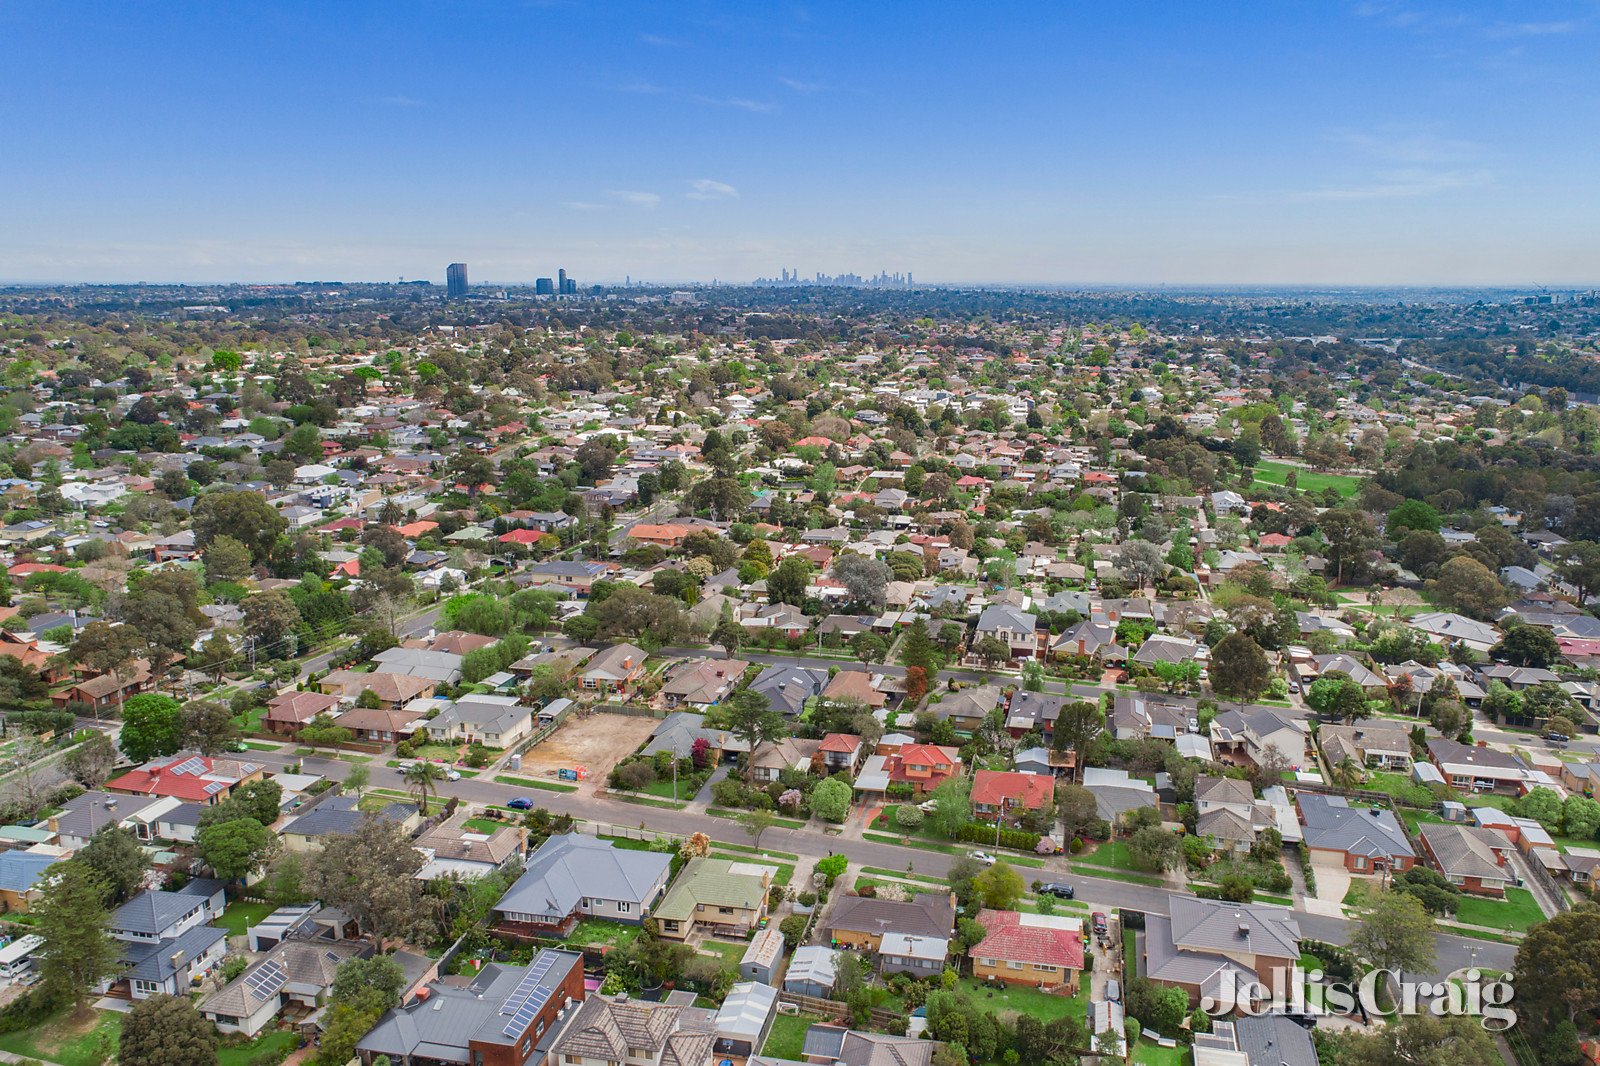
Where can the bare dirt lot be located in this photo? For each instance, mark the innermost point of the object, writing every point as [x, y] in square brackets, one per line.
[598, 742]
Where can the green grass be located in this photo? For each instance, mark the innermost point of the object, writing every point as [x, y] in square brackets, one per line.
[274, 1040]
[649, 801]
[1112, 874]
[1271, 472]
[1113, 853]
[787, 1038]
[952, 849]
[260, 745]
[62, 1040]
[730, 953]
[528, 782]
[748, 850]
[482, 825]
[609, 934]
[1024, 1000]
[241, 914]
[787, 823]
[1518, 912]
[1148, 1053]
[250, 721]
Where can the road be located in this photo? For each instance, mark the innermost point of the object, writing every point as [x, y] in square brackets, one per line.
[1453, 952]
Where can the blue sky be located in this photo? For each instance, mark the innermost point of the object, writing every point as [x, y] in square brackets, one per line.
[1369, 142]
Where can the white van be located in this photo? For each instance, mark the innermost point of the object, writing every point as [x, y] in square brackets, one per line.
[16, 958]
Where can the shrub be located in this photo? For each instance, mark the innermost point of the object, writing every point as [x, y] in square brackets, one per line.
[637, 775]
[832, 866]
[793, 929]
[1016, 839]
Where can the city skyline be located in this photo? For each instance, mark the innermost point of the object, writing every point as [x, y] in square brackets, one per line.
[1353, 144]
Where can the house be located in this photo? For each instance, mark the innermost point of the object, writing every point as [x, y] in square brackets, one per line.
[772, 757]
[922, 766]
[453, 851]
[1247, 1040]
[341, 816]
[1252, 736]
[295, 974]
[1455, 630]
[967, 709]
[166, 941]
[1007, 795]
[1116, 792]
[1200, 939]
[1038, 950]
[1014, 628]
[787, 688]
[107, 690]
[382, 725]
[194, 778]
[493, 721]
[679, 732]
[1467, 767]
[1225, 811]
[910, 953]
[496, 1018]
[717, 895]
[609, 1030]
[861, 922]
[1374, 685]
[1362, 840]
[571, 876]
[841, 753]
[1033, 712]
[857, 685]
[1138, 715]
[786, 619]
[1166, 648]
[1046, 761]
[1089, 638]
[21, 873]
[393, 690]
[85, 815]
[289, 712]
[812, 971]
[1372, 745]
[614, 671]
[833, 1045]
[702, 683]
[1473, 858]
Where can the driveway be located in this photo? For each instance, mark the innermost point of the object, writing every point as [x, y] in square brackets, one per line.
[1333, 881]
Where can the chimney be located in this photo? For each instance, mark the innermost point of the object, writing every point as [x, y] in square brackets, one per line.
[1244, 929]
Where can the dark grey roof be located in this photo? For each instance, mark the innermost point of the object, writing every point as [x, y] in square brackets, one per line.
[1272, 1041]
[154, 962]
[339, 816]
[151, 911]
[568, 868]
[788, 687]
[926, 914]
[1330, 822]
[92, 811]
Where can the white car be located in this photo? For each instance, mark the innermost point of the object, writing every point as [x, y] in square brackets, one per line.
[983, 857]
[405, 764]
[452, 775]
[928, 806]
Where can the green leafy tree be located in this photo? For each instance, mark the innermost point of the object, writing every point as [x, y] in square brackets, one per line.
[1464, 584]
[1337, 695]
[166, 1031]
[788, 581]
[152, 725]
[208, 727]
[371, 875]
[72, 920]
[235, 849]
[1419, 1040]
[1000, 887]
[226, 559]
[422, 779]
[1394, 932]
[245, 516]
[107, 649]
[1557, 969]
[114, 854]
[952, 807]
[748, 716]
[1154, 848]
[830, 800]
[1239, 669]
[1528, 645]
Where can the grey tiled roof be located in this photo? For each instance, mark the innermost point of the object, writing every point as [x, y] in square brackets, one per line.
[568, 868]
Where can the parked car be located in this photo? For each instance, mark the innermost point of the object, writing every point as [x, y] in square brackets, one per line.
[1056, 888]
[520, 803]
[982, 856]
[1557, 738]
[1101, 923]
[452, 775]
[405, 764]
[1113, 991]
[928, 806]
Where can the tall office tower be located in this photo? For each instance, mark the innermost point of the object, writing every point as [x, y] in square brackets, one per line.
[561, 281]
[455, 276]
[544, 287]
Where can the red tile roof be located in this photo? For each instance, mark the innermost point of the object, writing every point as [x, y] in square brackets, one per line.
[1017, 789]
[1012, 941]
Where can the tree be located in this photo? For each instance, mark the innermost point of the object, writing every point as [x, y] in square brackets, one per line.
[1578, 564]
[422, 778]
[1464, 584]
[269, 617]
[245, 516]
[695, 846]
[1394, 932]
[235, 849]
[118, 861]
[1580, 817]
[1078, 723]
[756, 823]
[992, 651]
[1154, 848]
[1409, 516]
[830, 800]
[729, 634]
[1239, 669]
[355, 782]
[226, 559]
[865, 579]
[1336, 695]
[166, 1031]
[1557, 969]
[163, 621]
[748, 716]
[952, 807]
[208, 727]
[1420, 1040]
[999, 886]
[106, 649]
[214, 657]
[787, 583]
[152, 725]
[371, 875]
[91, 762]
[380, 975]
[1140, 562]
[72, 920]
[1351, 537]
[1527, 645]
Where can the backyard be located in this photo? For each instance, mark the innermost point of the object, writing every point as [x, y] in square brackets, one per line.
[787, 1039]
[1020, 999]
[242, 914]
[273, 1041]
[593, 931]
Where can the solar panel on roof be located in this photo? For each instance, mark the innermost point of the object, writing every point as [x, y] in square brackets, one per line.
[523, 989]
[191, 766]
[216, 786]
[267, 980]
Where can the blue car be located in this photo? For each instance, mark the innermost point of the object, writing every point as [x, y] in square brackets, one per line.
[521, 803]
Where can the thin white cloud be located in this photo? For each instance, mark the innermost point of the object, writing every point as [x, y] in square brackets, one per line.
[657, 41]
[1534, 29]
[706, 189]
[803, 86]
[1409, 146]
[1394, 185]
[635, 198]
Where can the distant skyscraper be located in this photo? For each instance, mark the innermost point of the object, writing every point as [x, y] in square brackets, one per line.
[561, 281]
[455, 276]
[544, 287]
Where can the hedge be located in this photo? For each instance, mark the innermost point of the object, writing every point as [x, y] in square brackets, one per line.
[1015, 839]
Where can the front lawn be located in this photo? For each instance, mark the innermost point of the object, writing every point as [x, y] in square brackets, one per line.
[787, 1038]
[273, 1041]
[1022, 999]
[1113, 853]
[242, 914]
[1519, 911]
[89, 1040]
